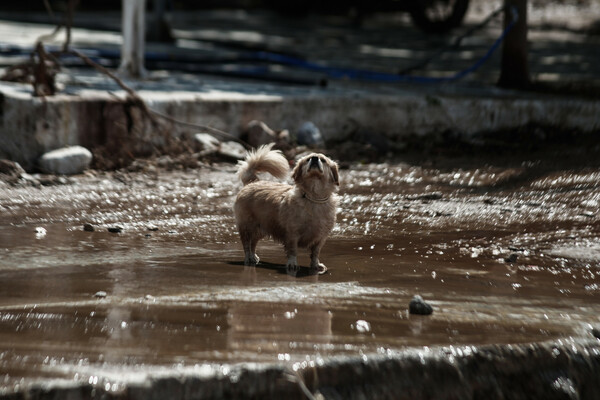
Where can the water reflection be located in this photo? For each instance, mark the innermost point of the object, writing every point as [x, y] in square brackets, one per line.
[180, 295]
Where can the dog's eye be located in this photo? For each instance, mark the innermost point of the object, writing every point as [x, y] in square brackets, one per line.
[322, 159]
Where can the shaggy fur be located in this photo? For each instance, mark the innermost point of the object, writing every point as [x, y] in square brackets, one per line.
[299, 215]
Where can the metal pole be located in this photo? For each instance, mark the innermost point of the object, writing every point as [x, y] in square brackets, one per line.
[133, 47]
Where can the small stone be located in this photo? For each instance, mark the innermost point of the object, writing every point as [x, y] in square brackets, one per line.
[100, 294]
[40, 232]
[88, 227]
[152, 228]
[418, 306]
[362, 326]
[512, 258]
[67, 161]
[596, 332]
[115, 229]
[309, 135]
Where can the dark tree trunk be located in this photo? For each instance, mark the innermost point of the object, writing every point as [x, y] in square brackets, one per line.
[515, 65]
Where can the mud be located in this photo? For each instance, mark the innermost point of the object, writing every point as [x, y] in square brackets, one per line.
[506, 252]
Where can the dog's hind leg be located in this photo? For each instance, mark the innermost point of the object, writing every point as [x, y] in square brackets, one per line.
[249, 241]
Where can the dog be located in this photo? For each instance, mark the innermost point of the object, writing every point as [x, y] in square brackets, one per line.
[299, 215]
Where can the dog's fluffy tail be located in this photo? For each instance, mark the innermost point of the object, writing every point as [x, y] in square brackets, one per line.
[263, 159]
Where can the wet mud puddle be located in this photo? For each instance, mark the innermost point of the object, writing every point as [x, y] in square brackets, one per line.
[503, 255]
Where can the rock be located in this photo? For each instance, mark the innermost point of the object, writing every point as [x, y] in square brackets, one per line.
[67, 161]
[362, 326]
[88, 227]
[232, 150]
[40, 232]
[115, 229]
[596, 332]
[100, 294]
[512, 258]
[418, 306]
[309, 135]
[152, 228]
[207, 142]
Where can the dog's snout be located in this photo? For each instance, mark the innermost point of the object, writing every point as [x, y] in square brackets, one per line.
[315, 162]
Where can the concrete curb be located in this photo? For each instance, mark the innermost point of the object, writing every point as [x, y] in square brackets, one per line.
[31, 126]
[551, 370]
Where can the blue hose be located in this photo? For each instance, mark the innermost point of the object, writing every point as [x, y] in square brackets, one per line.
[366, 75]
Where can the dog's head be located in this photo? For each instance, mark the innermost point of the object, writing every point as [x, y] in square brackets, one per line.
[317, 175]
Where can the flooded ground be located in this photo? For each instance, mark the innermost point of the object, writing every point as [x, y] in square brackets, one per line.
[505, 252]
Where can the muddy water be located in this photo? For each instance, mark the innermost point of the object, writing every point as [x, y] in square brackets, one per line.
[178, 295]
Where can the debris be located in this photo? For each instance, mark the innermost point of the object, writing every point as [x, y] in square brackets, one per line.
[115, 229]
[207, 142]
[12, 168]
[68, 160]
[427, 196]
[11, 172]
[512, 258]
[258, 134]
[418, 306]
[100, 294]
[232, 151]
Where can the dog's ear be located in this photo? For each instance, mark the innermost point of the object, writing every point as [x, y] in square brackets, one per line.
[297, 171]
[334, 172]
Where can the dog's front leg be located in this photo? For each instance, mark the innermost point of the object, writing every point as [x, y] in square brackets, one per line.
[291, 250]
[315, 250]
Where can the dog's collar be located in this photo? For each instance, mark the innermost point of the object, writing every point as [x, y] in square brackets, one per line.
[319, 201]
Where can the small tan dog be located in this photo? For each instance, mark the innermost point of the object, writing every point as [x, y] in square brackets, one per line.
[295, 215]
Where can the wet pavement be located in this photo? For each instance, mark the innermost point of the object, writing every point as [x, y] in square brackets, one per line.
[505, 252]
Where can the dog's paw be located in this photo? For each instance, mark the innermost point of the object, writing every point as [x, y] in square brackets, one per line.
[320, 268]
[251, 260]
[292, 264]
